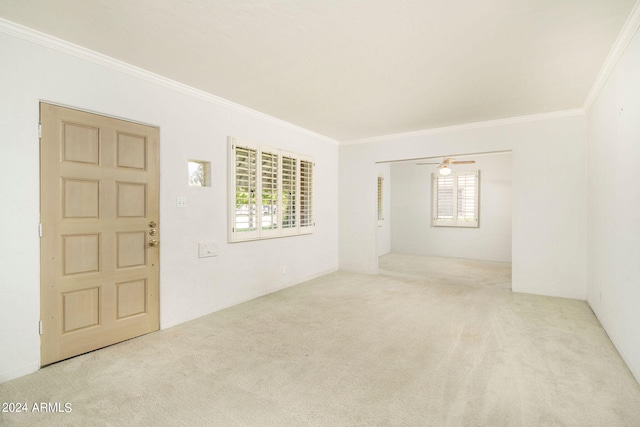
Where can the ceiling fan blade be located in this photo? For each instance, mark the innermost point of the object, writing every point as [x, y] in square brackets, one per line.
[427, 163]
[463, 162]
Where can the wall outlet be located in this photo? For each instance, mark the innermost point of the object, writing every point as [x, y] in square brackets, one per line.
[207, 249]
[284, 269]
[181, 202]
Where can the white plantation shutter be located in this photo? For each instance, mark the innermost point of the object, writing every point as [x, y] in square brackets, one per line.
[245, 188]
[270, 192]
[269, 212]
[467, 202]
[444, 197]
[455, 199]
[306, 195]
[289, 194]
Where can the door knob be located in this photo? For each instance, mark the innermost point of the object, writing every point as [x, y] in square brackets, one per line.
[153, 243]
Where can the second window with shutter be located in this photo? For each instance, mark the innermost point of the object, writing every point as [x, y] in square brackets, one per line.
[455, 199]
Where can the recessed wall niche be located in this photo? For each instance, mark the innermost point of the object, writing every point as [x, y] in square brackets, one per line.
[199, 173]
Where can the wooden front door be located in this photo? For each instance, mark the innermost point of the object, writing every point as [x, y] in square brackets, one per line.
[99, 214]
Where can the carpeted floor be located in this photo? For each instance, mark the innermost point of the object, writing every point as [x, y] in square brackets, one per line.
[427, 342]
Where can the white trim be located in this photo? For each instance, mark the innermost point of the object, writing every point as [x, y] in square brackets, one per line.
[63, 46]
[627, 33]
[468, 126]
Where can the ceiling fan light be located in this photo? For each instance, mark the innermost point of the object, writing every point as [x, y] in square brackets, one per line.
[444, 170]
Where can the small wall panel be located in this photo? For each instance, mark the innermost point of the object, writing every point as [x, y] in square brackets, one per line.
[132, 151]
[80, 309]
[131, 249]
[131, 200]
[81, 253]
[80, 198]
[132, 298]
[80, 143]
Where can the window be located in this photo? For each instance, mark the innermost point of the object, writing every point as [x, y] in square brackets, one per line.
[270, 192]
[380, 205]
[455, 199]
[199, 173]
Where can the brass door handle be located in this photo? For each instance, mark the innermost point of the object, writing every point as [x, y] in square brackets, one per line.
[153, 243]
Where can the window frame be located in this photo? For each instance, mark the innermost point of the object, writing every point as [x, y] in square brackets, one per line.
[455, 221]
[265, 153]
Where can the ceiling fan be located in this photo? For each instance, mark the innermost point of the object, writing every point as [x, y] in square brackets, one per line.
[444, 168]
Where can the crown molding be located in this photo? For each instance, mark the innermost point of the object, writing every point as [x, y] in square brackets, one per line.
[629, 29]
[63, 46]
[468, 126]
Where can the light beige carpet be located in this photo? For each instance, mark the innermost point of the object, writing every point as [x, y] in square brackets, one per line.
[428, 342]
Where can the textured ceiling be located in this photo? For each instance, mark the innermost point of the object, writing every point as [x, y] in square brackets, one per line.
[351, 69]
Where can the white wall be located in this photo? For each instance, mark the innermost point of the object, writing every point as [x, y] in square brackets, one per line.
[411, 212]
[613, 289]
[383, 232]
[191, 125]
[549, 194]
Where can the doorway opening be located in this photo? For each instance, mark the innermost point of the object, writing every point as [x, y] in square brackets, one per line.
[409, 241]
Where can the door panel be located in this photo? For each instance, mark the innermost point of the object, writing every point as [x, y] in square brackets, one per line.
[99, 205]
